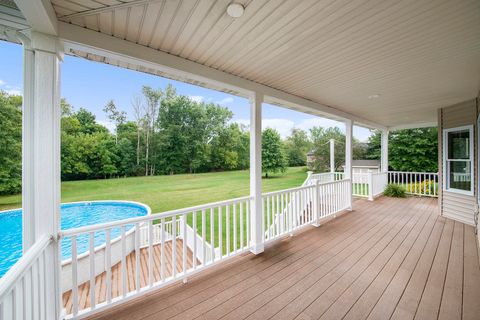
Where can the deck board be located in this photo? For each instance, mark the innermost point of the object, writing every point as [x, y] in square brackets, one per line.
[388, 259]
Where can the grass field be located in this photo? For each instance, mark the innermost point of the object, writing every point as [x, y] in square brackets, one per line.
[163, 193]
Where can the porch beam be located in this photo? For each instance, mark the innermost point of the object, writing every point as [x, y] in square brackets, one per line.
[384, 151]
[414, 126]
[78, 38]
[40, 15]
[256, 219]
[349, 157]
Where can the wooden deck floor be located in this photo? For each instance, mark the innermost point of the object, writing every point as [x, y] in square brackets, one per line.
[100, 280]
[388, 259]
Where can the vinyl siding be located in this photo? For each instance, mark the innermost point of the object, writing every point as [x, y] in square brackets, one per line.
[454, 205]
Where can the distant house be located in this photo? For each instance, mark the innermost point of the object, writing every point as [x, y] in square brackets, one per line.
[364, 166]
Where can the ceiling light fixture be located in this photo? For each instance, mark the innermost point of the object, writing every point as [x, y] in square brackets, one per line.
[374, 96]
[235, 10]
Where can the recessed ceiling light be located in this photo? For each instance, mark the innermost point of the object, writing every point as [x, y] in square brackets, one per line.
[235, 10]
[374, 96]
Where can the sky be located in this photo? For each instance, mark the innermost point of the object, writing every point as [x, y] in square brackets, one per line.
[91, 85]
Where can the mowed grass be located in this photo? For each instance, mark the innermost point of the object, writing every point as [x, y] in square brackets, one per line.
[164, 193]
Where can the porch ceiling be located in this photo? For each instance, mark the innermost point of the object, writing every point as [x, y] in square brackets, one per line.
[417, 55]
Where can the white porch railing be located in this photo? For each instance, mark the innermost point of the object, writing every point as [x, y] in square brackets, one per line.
[323, 177]
[22, 288]
[417, 183]
[288, 210]
[221, 227]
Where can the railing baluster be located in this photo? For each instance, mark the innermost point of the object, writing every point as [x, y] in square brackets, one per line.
[108, 264]
[162, 249]
[150, 253]
[74, 276]
[174, 246]
[220, 232]
[212, 234]
[194, 225]
[227, 228]
[241, 225]
[137, 257]
[184, 245]
[235, 227]
[124, 263]
[279, 213]
[91, 242]
[204, 239]
[268, 217]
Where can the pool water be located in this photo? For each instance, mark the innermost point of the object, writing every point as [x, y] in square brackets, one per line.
[73, 215]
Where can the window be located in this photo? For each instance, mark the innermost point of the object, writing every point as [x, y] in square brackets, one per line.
[458, 159]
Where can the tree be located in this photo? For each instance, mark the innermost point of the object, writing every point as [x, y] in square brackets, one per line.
[114, 115]
[10, 143]
[273, 158]
[139, 113]
[297, 145]
[321, 147]
[88, 122]
[409, 149]
[152, 98]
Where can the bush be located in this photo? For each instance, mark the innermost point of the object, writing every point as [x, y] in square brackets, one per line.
[423, 187]
[394, 190]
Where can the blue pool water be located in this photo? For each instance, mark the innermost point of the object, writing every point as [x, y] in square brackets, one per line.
[73, 215]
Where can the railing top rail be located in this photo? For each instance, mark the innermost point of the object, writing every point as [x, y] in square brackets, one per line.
[378, 173]
[414, 172]
[8, 281]
[301, 187]
[166, 214]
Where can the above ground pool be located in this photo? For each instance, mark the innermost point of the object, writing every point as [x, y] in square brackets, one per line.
[73, 215]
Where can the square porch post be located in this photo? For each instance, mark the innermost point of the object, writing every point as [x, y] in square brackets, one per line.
[332, 157]
[348, 158]
[256, 218]
[384, 152]
[41, 155]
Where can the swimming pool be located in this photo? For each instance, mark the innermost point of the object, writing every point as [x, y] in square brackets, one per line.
[73, 215]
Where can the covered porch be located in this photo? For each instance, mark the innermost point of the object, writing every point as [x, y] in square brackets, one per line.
[307, 252]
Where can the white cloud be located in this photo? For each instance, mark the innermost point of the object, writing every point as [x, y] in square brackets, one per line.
[2, 82]
[197, 99]
[14, 92]
[225, 101]
[107, 124]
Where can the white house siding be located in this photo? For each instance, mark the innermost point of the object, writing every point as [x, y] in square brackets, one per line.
[454, 205]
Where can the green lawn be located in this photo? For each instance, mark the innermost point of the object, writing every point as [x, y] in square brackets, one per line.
[163, 193]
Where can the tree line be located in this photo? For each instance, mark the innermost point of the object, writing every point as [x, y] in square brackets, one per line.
[172, 134]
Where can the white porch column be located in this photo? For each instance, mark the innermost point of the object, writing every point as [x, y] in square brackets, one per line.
[256, 219]
[41, 155]
[384, 152]
[332, 155]
[28, 189]
[348, 157]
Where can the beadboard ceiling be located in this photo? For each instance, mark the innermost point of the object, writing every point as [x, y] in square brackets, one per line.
[417, 55]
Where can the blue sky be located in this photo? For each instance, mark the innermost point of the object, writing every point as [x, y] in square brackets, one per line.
[90, 85]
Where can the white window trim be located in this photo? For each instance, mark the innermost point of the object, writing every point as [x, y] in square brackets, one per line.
[445, 173]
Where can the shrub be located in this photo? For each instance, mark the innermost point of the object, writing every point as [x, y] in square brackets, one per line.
[423, 187]
[394, 190]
